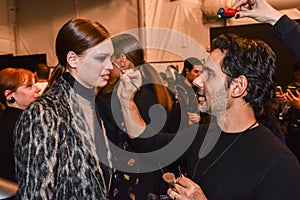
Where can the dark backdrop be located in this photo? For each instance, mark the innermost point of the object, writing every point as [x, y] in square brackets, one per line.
[26, 61]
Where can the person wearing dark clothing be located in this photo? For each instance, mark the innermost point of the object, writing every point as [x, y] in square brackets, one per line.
[233, 157]
[7, 124]
[129, 54]
[256, 162]
[270, 167]
[290, 115]
[17, 91]
[288, 32]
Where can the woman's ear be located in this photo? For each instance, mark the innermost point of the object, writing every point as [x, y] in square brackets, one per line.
[7, 93]
[123, 59]
[72, 59]
[239, 86]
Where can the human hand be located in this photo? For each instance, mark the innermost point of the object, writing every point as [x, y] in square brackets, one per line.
[280, 97]
[130, 81]
[129, 84]
[292, 99]
[185, 189]
[194, 117]
[260, 10]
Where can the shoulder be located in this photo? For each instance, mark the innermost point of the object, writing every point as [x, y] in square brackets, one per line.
[262, 146]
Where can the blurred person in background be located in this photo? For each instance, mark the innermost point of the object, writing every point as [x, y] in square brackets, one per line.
[17, 91]
[42, 72]
[290, 116]
[192, 68]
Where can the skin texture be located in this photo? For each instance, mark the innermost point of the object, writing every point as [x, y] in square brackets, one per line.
[261, 11]
[92, 69]
[194, 73]
[24, 95]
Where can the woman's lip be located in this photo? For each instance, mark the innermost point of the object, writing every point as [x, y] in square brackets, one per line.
[105, 76]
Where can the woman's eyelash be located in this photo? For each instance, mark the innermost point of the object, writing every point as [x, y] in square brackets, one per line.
[102, 58]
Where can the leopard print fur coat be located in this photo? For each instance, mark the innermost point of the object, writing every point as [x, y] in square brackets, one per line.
[54, 152]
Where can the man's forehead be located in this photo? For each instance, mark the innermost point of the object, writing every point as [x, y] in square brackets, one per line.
[215, 59]
[198, 67]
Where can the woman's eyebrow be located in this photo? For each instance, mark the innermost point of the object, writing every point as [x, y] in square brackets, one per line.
[209, 69]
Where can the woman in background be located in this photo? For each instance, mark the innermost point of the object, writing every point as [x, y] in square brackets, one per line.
[129, 54]
[17, 91]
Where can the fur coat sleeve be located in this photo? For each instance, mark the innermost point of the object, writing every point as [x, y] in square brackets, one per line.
[54, 151]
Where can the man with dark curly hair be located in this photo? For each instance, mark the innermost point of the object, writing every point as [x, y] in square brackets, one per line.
[234, 157]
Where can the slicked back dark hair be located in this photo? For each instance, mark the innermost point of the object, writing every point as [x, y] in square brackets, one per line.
[255, 60]
[77, 35]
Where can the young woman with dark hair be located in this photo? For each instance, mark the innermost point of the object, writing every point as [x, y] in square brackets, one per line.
[59, 143]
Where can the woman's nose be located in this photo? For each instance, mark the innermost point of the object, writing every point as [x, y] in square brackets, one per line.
[198, 82]
[37, 89]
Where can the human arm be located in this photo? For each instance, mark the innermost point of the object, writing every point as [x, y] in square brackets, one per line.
[288, 32]
[134, 123]
[284, 29]
[261, 11]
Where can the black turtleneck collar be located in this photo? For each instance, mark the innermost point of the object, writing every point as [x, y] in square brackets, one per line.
[87, 93]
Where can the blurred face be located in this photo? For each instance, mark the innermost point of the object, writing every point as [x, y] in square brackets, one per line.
[212, 85]
[94, 66]
[194, 73]
[25, 94]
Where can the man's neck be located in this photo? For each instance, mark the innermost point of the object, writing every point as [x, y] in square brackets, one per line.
[237, 119]
[188, 82]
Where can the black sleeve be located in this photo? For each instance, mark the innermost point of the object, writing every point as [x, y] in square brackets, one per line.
[151, 141]
[288, 32]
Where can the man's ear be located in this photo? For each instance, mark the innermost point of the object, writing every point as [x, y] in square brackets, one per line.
[239, 86]
[187, 71]
[72, 59]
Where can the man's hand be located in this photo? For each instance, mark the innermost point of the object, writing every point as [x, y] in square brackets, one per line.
[185, 189]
